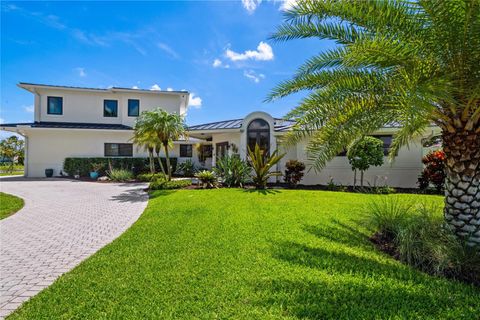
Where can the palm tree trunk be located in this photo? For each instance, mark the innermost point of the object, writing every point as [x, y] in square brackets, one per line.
[151, 161]
[160, 161]
[169, 168]
[462, 184]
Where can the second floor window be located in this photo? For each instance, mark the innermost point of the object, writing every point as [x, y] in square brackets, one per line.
[185, 150]
[133, 107]
[110, 108]
[55, 105]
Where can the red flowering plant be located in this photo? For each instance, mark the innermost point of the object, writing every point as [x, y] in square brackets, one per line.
[434, 172]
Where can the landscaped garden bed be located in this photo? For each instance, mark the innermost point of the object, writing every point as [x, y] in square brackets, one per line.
[248, 254]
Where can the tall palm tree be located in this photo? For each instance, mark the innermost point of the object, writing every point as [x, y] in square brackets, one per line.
[161, 128]
[144, 140]
[412, 63]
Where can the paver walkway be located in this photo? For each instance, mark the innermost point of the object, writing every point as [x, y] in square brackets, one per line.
[62, 223]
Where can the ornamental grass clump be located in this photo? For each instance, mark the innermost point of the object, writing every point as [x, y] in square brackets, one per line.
[416, 234]
[120, 175]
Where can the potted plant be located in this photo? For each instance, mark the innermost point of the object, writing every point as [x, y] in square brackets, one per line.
[95, 168]
[49, 173]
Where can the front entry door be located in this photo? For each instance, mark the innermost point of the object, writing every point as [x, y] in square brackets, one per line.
[221, 149]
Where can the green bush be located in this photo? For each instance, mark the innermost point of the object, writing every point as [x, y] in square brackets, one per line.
[147, 177]
[186, 168]
[208, 179]
[83, 166]
[161, 184]
[233, 171]
[420, 238]
[120, 175]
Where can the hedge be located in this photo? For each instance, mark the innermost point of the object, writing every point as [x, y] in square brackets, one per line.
[83, 166]
[161, 184]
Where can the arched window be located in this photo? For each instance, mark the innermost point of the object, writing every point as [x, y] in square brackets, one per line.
[258, 132]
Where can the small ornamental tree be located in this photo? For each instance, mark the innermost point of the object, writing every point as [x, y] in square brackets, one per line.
[434, 171]
[366, 152]
[294, 172]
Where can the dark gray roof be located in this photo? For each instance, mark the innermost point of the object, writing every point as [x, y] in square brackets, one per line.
[68, 125]
[280, 125]
[99, 89]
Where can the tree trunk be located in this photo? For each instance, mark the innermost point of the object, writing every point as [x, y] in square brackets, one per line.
[151, 160]
[157, 151]
[361, 178]
[462, 184]
[169, 168]
[354, 178]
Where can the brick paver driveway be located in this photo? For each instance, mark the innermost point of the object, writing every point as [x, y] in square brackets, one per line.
[63, 222]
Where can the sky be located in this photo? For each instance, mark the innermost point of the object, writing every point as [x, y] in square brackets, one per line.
[219, 51]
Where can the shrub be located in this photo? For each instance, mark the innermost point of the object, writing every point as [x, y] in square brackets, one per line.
[294, 172]
[434, 172]
[163, 184]
[417, 235]
[186, 168]
[233, 171]
[208, 179]
[83, 166]
[262, 163]
[120, 175]
[147, 177]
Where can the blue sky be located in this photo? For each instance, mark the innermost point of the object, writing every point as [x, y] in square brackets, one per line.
[217, 50]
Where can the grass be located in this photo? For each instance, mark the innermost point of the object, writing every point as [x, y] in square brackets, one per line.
[235, 254]
[9, 205]
[17, 170]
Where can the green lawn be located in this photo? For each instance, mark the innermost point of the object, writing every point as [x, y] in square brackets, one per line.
[9, 205]
[17, 170]
[234, 254]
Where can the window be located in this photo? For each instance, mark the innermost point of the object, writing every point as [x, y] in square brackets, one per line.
[185, 151]
[258, 132]
[55, 105]
[110, 108]
[133, 107]
[118, 149]
[387, 141]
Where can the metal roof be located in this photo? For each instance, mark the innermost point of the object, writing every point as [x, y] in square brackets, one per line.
[279, 125]
[69, 125]
[27, 84]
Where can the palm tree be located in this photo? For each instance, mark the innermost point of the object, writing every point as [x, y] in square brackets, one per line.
[143, 140]
[160, 129]
[411, 63]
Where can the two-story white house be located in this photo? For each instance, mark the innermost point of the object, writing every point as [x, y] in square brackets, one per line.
[87, 122]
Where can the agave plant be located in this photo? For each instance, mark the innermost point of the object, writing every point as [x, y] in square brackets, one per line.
[233, 171]
[262, 163]
[411, 63]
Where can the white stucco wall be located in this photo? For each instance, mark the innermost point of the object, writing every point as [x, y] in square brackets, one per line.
[48, 148]
[87, 106]
[403, 172]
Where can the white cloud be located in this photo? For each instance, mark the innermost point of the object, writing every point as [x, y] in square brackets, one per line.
[155, 87]
[288, 4]
[166, 48]
[2, 120]
[195, 101]
[252, 75]
[81, 72]
[263, 53]
[169, 89]
[135, 87]
[251, 5]
[217, 63]
[29, 109]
